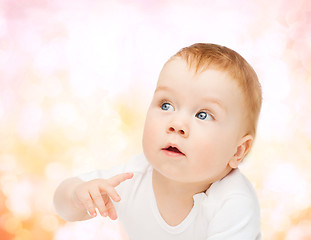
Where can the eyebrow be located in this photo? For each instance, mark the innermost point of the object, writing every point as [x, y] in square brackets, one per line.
[215, 101]
[163, 88]
[212, 100]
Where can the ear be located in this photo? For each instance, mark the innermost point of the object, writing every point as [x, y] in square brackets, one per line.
[241, 151]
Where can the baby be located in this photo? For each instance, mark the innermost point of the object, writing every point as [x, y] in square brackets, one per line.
[199, 127]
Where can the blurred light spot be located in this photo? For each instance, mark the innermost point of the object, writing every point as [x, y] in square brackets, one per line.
[98, 56]
[274, 120]
[49, 222]
[300, 232]
[279, 218]
[4, 48]
[33, 93]
[287, 181]
[20, 190]
[43, 200]
[51, 57]
[53, 87]
[55, 171]
[30, 122]
[29, 40]
[23, 234]
[79, 154]
[12, 224]
[82, 84]
[109, 115]
[275, 80]
[3, 26]
[1, 111]
[9, 101]
[8, 181]
[64, 113]
[77, 130]
[7, 163]
[271, 42]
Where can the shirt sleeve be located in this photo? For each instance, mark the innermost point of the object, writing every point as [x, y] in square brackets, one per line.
[237, 218]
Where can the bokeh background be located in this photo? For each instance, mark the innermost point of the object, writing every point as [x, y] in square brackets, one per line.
[76, 77]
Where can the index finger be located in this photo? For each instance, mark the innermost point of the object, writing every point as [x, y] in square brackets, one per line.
[116, 180]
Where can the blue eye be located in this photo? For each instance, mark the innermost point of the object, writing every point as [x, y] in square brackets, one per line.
[167, 107]
[204, 116]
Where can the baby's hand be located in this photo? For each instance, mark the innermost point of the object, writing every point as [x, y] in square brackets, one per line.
[98, 194]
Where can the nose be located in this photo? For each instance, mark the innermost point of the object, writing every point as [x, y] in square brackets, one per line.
[179, 128]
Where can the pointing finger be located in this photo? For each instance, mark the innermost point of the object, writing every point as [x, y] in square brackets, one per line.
[116, 180]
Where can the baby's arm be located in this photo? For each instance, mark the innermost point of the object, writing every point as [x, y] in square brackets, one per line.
[76, 200]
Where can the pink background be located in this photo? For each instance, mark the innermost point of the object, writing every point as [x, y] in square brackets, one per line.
[76, 78]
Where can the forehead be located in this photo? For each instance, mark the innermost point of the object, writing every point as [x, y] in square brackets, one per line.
[177, 72]
[178, 79]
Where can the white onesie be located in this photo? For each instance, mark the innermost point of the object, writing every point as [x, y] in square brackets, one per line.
[229, 209]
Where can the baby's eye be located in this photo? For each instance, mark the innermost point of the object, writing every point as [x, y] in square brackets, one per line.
[167, 107]
[204, 116]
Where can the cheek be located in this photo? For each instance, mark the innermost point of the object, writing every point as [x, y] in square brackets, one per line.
[210, 149]
[150, 131]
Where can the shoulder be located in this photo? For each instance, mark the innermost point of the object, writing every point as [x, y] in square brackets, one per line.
[234, 195]
[235, 183]
[231, 207]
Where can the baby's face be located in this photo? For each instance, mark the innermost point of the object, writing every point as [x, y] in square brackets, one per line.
[193, 124]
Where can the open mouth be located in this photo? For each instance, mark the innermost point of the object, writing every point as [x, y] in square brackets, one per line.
[173, 150]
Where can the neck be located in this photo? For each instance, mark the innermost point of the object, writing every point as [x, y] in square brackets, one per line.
[177, 190]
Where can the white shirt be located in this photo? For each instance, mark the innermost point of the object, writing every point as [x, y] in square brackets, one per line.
[229, 209]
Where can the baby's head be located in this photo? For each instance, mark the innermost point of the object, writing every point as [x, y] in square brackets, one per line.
[203, 56]
[202, 120]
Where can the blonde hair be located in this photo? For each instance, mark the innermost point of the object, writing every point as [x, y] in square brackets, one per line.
[202, 56]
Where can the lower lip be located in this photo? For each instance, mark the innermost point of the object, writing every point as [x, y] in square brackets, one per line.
[173, 154]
